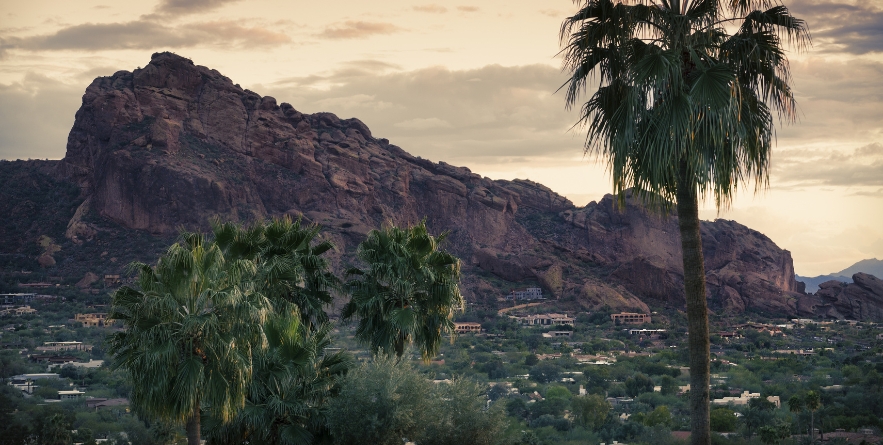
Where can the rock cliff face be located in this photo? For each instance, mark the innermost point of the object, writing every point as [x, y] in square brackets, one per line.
[860, 300]
[175, 144]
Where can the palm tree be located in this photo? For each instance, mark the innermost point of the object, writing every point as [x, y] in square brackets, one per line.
[293, 381]
[683, 110]
[407, 293]
[813, 403]
[795, 405]
[192, 323]
[291, 268]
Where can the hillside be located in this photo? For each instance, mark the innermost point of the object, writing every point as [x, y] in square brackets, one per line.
[175, 144]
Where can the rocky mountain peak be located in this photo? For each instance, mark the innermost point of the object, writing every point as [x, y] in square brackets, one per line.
[175, 144]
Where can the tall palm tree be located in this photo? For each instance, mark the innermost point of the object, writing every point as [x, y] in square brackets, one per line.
[813, 402]
[291, 268]
[407, 293]
[293, 380]
[683, 109]
[192, 323]
[795, 405]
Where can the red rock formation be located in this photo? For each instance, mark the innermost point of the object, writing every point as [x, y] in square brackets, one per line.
[175, 144]
[860, 300]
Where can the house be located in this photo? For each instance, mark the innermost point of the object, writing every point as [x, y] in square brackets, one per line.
[25, 382]
[555, 334]
[467, 327]
[95, 319]
[531, 293]
[37, 285]
[18, 311]
[53, 359]
[801, 352]
[744, 398]
[64, 346]
[646, 332]
[544, 320]
[16, 298]
[630, 318]
[72, 394]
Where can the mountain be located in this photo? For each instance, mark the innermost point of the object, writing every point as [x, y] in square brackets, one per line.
[871, 266]
[174, 144]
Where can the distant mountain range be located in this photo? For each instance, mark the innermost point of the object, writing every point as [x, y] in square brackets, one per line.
[870, 266]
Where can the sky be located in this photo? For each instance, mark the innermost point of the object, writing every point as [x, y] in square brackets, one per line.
[469, 82]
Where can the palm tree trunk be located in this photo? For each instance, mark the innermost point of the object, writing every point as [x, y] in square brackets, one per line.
[399, 347]
[812, 426]
[192, 427]
[697, 308]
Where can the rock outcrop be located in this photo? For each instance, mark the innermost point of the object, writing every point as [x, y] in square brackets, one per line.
[175, 144]
[860, 300]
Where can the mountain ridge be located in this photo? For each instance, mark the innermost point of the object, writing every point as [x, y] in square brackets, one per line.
[175, 144]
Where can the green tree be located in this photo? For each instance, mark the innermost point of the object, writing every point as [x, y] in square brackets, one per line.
[191, 324]
[813, 402]
[775, 433]
[758, 414]
[55, 430]
[517, 407]
[458, 415]
[795, 405]
[590, 411]
[659, 416]
[668, 386]
[531, 360]
[291, 269]
[407, 292]
[558, 392]
[638, 384]
[293, 382]
[84, 436]
[723, 420]
[382, 402]
[545, 371]
[683, 110]
[12, 431]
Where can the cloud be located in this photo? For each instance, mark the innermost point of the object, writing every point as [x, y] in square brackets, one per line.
[36, 116]
[838, 101]
[354, 102]
[488, 115]
[467, 8]
[146, 34]
[423, 123]
[372, 65]
[182, 7]
[358, 30]
[839, 26]
[431, 8]
[552, 13]
[862, 167]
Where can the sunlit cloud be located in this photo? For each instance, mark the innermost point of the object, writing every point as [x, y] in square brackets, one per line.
[358, 30]
[431, 8]
[146, 34]
[179, 7]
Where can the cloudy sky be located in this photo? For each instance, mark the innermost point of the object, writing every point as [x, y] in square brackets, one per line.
[469, 82]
